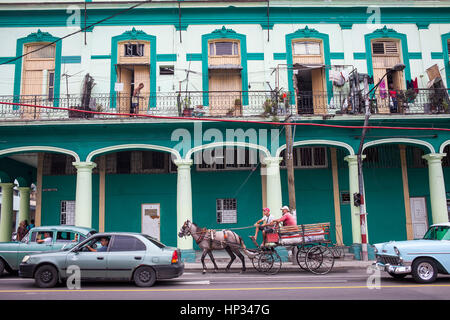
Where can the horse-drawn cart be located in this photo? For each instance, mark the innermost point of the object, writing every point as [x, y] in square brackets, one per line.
[311, 240]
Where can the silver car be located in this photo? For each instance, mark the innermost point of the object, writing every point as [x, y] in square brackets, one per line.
[107, 256]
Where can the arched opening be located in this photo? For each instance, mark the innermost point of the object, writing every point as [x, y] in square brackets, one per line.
[397, 191]
[135, 190]
[227, 187]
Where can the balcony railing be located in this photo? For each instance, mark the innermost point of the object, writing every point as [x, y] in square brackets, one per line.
[223, 104]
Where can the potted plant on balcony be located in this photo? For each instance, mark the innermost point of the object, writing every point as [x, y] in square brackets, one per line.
[268, 107]
[238, 106]
[187, 110]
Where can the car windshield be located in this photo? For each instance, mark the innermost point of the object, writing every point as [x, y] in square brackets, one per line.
[438, 233]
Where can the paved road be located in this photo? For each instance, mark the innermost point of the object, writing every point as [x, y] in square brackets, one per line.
[292, 285]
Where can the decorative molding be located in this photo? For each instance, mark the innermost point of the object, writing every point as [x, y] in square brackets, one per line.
[120, 147]
[40, 149]
[229, 144]
[400, 140]
[318, 142]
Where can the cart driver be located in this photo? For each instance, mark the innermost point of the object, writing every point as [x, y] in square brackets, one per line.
[287, 218]
[265, 224]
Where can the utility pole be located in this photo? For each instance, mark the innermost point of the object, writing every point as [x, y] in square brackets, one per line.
[362, 206]
[290, 168]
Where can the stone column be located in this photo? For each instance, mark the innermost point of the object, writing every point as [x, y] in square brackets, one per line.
[24, 209]
[273, 185]
[83, 197]
[354, 188]
[184, 200]
[6, 212]
[437, 187]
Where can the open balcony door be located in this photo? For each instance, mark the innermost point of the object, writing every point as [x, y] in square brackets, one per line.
[124, 97]
[225, 88]
[319, 91]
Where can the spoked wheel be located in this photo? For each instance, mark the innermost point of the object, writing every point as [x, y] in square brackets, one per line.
[269, 262]
[319, 260]
[301, 257]
[337, 251]
[255, 261]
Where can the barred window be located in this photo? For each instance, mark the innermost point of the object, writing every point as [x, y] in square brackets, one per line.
[226, 210]
[307, 157]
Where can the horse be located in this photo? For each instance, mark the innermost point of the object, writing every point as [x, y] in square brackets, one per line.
[209, 240]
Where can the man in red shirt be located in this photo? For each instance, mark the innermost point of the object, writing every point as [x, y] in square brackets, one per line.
[287, 218]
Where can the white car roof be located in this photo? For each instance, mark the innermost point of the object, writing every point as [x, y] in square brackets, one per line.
[444, 224]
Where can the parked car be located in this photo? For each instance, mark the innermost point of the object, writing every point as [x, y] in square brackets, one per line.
[424, 259]
[107, 256]
[58, 237]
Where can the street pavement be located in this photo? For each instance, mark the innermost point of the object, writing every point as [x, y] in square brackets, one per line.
[349, 280]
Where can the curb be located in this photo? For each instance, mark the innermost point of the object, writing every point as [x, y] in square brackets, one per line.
[286, 267]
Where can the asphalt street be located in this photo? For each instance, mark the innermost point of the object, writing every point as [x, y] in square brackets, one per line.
[192, 285]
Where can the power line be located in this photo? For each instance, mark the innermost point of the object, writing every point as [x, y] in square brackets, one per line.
[75, 32]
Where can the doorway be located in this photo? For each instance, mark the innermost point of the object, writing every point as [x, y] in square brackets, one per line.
[311, 94]
[131, 75]
[419, 216]
[151, 220]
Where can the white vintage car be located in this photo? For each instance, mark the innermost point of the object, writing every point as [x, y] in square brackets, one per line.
[423, 258]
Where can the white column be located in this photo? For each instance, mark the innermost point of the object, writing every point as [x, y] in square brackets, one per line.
[437, 187]
[83, 197]
[184, 200]
[354, 188]
[273, 185]
[24, 209]
[6, 212]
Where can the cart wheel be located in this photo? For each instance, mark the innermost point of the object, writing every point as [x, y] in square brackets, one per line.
[301, 256]
[269, 262]
[319, 260]
[255, 262]
[337, 251]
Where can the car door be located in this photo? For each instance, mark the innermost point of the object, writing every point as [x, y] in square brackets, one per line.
[125, 254]
[92, 264]
[33, 246]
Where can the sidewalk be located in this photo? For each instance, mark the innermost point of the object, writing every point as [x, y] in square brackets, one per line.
[222, 259]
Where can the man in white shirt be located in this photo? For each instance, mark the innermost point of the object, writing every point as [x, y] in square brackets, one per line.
[265, 225]
[47, 238]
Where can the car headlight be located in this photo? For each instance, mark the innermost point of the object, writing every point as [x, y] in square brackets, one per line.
[375, 250]
[25, 259]
[397, 252]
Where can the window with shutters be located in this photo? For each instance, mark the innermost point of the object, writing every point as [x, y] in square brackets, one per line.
[134, 50]
[385, 48]
[224, 48]
[310, 48]
[40, 51]
[50, 85]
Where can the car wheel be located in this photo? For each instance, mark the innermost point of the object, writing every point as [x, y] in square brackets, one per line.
[46, 276]
[397, 276]
[144, 277]
[424, 270]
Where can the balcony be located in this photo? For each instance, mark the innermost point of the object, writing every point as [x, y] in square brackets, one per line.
[266, 105]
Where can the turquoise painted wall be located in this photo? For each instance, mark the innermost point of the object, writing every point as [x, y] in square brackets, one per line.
[209, 186]
[124, 195]
[65, 190]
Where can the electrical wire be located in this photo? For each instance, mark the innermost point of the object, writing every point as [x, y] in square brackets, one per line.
[306, 124]
[75, 32]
